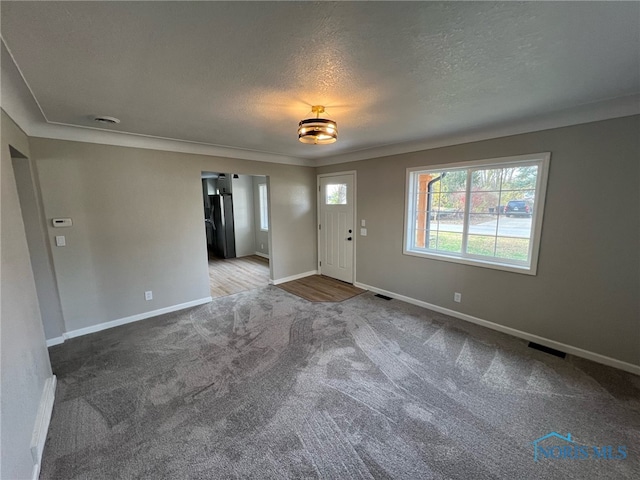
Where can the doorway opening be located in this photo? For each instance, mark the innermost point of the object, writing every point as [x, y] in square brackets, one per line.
[236, 222]
[39, 246]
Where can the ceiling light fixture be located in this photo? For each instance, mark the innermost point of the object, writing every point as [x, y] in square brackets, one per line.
[317, 131]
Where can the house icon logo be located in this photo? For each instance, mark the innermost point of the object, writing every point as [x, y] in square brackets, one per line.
[554, 446]
[537, 448]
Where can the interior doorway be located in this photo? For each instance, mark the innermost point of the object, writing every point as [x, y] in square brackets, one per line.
[336, 227]
[35, 226]
[236, 222]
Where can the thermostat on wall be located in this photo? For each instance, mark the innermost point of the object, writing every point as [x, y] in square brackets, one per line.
[62, 222]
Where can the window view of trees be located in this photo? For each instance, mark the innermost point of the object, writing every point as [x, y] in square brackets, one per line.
[336, 194]
[491, 189]
[498, 222]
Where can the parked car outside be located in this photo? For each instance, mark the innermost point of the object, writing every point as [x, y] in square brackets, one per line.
[519, 208]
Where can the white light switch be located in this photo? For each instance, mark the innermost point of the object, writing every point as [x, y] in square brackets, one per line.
[363, 223]
[60, 241]
[363, 232]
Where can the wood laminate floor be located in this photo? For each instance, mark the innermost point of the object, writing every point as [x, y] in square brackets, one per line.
[318, 288]
[234, 275]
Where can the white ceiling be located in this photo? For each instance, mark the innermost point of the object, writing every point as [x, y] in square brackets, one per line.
[242, 74]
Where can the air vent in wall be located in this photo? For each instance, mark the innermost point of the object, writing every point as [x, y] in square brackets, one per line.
[106, 120]
[549, 350]
[384, 297]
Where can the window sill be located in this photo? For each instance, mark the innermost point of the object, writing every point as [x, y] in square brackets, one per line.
[506, 267]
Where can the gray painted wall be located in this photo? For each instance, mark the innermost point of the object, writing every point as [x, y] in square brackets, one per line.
[262, 237]
[138, 225]
[243, 215]
[587, 288]
[24, 357]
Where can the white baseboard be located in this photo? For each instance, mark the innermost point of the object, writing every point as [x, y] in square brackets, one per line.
[263, 255]
[41, 426]
[55, 341]
[123, 321]
[578, 352]
[293, 277]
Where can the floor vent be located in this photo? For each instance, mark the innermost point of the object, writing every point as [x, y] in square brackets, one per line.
[384, 297]
[550, 351]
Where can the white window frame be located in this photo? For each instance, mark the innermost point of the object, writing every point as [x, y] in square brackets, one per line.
[542, 159]
[264, 207]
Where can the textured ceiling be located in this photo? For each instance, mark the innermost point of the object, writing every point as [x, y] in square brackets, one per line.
[243, 74]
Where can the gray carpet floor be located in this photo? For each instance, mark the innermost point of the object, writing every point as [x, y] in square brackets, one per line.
[263, 384]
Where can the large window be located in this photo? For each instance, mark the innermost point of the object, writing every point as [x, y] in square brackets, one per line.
[264, 211]
[486, 213]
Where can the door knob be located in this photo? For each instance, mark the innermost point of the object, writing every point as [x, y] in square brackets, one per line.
[349, 238]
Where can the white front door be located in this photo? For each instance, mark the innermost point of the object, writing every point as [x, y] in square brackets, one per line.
[336, 228]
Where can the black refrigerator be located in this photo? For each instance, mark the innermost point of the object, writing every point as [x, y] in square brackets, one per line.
[221, 222]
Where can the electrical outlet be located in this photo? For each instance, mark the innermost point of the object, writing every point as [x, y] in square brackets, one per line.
[457, 297]
[148, 295]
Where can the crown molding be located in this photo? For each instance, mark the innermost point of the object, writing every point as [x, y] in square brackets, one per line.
[18, 101]
[75, 133]
[587, 113]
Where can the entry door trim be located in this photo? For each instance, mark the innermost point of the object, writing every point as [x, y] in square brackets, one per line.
[356, 222]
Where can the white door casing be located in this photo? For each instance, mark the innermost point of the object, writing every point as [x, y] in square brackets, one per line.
[336, 229]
